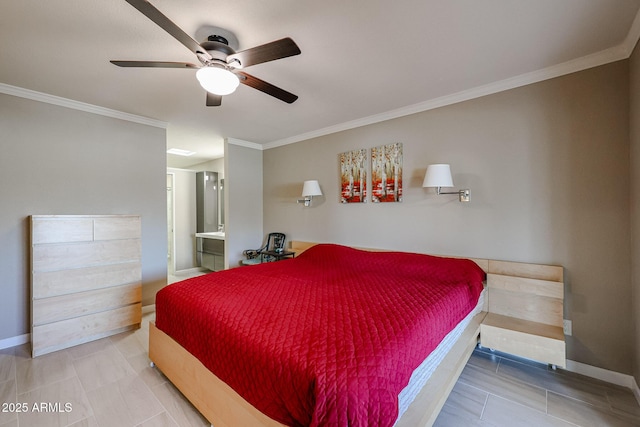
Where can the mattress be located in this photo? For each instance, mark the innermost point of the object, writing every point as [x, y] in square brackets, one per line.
[328, 338]
[423, 372]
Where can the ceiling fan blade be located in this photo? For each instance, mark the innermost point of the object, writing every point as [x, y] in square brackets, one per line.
[148, 10]
[213, 100]
[268, 88]
[278, 49]
[154, 64]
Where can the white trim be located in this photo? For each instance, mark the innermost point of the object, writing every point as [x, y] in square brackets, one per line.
[246, 144]
[613, 54]
[77, 105]
[14, 341]
[146, 309]
[189, 271]
[172, 254]
[636, 390]
[604, 375]
[633, 36]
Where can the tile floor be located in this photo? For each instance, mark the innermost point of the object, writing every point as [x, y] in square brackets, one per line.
[109, 383]
[496, 389]
[106, 383]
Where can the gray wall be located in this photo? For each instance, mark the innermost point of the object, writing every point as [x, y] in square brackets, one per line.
[635, 202]
[548, 169]
[243, 200]
[55, 160]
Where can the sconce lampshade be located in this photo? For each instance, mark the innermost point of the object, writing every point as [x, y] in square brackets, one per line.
[438, 175]
[217, 80]
[311, 188]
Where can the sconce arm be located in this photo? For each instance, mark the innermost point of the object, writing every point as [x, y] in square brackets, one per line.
[306, 201]
[463, 194]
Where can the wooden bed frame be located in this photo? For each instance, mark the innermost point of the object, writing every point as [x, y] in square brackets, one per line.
[223, 407]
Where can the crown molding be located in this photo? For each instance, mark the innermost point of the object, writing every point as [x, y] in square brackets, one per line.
[246, 144]
[613, 54]
[633, 36]
[77, 105]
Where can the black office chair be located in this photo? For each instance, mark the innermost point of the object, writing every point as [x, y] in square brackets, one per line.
[275, 243]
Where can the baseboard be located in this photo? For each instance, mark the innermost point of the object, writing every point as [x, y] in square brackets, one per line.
[189, 271]
[604, 375]
[15, 341]
[636, 390]
[146, 309]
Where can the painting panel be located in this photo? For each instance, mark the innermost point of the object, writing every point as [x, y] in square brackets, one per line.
[386, 173]
[353, 176]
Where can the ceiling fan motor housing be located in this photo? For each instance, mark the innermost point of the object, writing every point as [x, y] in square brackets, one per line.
[217, 49]
[217, 38]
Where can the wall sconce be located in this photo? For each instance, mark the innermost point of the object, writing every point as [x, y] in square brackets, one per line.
[310, 189]
[439, 176]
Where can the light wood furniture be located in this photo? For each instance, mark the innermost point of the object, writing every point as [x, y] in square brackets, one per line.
[525, 311]
[86, 278]
[223, 407]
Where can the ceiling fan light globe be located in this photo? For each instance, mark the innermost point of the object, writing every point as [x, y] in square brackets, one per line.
[217, 80]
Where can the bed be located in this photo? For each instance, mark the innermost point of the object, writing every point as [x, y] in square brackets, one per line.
[332, 337]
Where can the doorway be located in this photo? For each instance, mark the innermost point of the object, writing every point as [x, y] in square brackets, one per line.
[171, 264]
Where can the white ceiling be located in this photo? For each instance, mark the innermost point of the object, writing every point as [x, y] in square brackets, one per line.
[361, 61]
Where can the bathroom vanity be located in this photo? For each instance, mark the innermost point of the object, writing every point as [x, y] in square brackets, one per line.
[210, 250]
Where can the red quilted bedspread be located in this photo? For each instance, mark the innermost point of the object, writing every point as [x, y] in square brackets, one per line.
[326, 339]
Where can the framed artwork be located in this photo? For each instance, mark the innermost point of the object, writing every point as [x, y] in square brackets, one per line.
[386, 173]
[353, 176]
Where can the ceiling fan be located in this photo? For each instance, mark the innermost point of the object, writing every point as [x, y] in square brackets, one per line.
[220, 70]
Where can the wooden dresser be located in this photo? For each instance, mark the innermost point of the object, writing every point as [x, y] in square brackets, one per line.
[86, 278]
